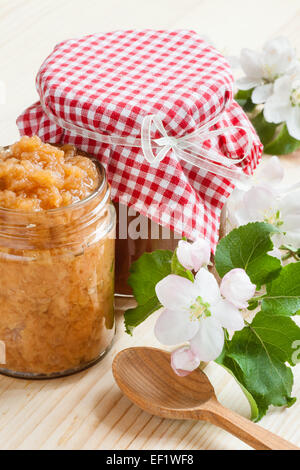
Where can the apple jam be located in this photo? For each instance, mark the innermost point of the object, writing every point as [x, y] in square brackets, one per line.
[36, 176]
[57, 230]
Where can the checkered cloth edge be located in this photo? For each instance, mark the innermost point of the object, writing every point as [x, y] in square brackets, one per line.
[109, 82]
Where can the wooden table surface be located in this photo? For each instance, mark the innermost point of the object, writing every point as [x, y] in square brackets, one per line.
[87, 410]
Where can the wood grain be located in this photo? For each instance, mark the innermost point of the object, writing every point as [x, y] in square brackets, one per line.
[87, 411]
[145, 376]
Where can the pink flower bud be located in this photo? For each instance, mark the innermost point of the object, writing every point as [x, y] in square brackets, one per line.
[237, 288]
[184, 361]
[194, 255]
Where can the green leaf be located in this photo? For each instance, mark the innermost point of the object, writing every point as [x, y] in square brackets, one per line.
[145, 273]
[233, 369]
[253, 304]
[265, 130]
[257, 357]
[247, 247]
[177, 268]
[283, 293]
[243, 98]
[136, 316]
[232, 366]
[283, 144]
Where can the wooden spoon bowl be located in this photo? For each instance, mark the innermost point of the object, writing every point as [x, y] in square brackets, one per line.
[145, 376]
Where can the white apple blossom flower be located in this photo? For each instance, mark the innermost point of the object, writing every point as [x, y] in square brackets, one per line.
[284, 104]
[194, 312]
[262, 204]
[261, 69]
[237, 287]
[265, 200]
[270, 173]
[193, 255]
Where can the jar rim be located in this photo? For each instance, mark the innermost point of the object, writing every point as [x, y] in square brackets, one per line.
[102, 183]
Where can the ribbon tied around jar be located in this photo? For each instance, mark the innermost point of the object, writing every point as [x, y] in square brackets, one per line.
[191, 148]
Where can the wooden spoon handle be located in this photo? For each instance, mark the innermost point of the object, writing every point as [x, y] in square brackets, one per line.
[254, 435]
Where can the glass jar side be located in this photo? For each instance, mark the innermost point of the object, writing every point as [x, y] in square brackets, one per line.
[57, 288]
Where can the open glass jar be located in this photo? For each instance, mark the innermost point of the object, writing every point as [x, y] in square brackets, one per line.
[57, 286]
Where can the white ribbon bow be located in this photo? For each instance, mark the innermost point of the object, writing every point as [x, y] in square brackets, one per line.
[189, 148]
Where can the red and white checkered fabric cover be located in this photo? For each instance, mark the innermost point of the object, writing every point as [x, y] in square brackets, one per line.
[109, 82]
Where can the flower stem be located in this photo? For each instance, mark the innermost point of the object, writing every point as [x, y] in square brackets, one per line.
[290, 254]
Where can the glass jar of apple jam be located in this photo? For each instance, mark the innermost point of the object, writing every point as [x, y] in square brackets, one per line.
[57, 231]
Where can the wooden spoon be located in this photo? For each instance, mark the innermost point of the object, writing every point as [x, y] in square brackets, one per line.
[145, 376]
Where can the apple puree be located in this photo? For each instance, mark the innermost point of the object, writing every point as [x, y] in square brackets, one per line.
[56, 266]
[36, 176]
